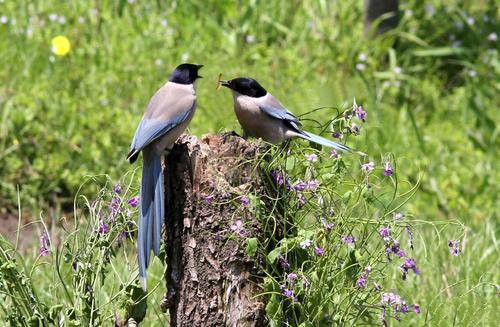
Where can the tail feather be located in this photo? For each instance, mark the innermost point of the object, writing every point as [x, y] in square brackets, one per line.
[152, 211]
[325, 142]
[159, 208]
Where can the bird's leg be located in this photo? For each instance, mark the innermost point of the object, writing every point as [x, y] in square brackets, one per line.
[284, 146]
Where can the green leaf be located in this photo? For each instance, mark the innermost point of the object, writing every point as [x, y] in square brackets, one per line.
[252, 244]
[273, 255]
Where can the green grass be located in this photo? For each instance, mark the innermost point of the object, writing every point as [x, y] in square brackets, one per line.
[64, 118]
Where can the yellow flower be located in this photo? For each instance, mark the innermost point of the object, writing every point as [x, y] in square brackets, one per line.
[60, 45]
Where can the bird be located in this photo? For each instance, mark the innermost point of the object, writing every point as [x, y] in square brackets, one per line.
[261, 115]
[166, 117]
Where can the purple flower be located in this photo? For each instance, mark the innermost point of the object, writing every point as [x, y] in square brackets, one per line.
[133, 202]
[305, 244]
[312, 157]
[393, 248]
[360, 113]
[238, 228]
[416, 308]
[334, 154]
[328, 226]
[408, 265]
[114, 206]
[388, 171]
[337, 135]
[245, 201]
[368, 167]
[283, 262]
[348, 239]
[292, 277]
[103, 228]
[305, 282]
[385, 232]
[278, 177]
[454, 247]
[300, 186]
[354, 129]
[301, 198]
[319, 251]
[313, 185]
[288, 293]
[44, 244]
[361, 282]
[117, 189]
[209, 198]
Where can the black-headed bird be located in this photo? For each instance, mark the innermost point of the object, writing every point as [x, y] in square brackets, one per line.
[260, 114]
[167, 115]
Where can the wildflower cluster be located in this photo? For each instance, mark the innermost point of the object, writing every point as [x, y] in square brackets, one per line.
[454, 247]
[347, 124]
[392, 247]
[394, 302]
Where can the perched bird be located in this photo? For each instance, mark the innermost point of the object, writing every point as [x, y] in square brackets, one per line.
[167, 115]
[261, 115]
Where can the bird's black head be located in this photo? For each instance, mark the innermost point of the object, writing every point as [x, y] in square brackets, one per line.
[246, 86]
[185, 74]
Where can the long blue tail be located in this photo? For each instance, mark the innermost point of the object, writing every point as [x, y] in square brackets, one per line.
[325, 142]
[152, 211]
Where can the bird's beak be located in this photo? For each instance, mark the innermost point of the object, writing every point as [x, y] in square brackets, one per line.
[226, 84]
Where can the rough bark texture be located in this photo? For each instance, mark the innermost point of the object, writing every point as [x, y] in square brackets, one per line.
[211, 281]
[374, 9]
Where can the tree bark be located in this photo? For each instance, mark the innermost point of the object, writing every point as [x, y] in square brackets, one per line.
[211, 280]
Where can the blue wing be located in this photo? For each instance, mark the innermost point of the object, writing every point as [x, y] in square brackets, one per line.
[282, 114]
[151, 129]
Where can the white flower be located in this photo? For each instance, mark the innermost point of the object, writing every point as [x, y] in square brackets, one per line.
[368, 167]
[53, 17]
[305, 244]
[312, 157]
[493, 37]
[472, 73]
[362, 57]
[81, 20]
[185, 57]
[250, 39]
[164, 22]
[4, 20]
[360, 66]
[470, 21]
[398, 216]
[62, 20]
[397, 70]
[158, 62]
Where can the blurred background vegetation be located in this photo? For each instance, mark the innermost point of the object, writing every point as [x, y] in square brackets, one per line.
[430, 88]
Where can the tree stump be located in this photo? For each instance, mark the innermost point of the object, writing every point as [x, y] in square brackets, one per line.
[211, 280]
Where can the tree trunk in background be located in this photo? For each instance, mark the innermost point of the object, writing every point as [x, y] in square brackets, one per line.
[374, 9]
[211, 281]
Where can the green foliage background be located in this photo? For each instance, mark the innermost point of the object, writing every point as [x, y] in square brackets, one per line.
[62, 118]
